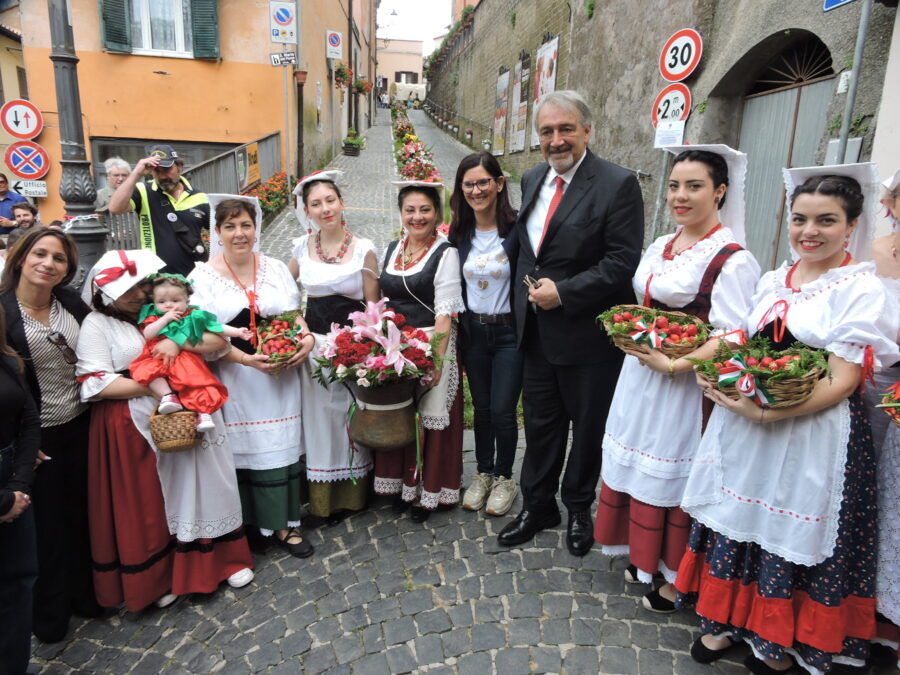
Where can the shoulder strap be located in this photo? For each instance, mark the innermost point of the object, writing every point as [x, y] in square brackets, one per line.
[715, 267]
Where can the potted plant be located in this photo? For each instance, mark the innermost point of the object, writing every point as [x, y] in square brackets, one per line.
[342, 75]
[486, 144]
[361, 86]
[353, 143]
[469, 135]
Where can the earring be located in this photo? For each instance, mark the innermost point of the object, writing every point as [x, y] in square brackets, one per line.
[220, 242]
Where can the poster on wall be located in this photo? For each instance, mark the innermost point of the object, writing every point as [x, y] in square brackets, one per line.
[519, 105]
[544, 75]
[501, 113]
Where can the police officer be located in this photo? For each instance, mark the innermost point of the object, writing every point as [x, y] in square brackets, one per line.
[173, 216]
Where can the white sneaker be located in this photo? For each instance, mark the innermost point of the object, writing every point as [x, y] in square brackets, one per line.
[502, 496]
[241, 578]
[477, 492]
[169, 404]
[166, 600]
[205, 422]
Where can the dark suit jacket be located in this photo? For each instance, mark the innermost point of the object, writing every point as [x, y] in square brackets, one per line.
[591, 251]
[15, 329]
[510, 244]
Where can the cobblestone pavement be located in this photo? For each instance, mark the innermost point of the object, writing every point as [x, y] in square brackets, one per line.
[383, 594]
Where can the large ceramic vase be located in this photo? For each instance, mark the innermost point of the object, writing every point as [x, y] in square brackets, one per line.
[385, 416]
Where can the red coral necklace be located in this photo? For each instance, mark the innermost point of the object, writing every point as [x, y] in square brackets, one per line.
[336, 258]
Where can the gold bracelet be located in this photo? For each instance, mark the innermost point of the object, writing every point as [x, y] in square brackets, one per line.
[671, 367]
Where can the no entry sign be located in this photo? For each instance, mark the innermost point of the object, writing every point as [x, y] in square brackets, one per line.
[27, 160]
[680, 55]
[21, 119]
[672, 104]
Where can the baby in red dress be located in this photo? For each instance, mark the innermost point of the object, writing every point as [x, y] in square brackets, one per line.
[187, 382]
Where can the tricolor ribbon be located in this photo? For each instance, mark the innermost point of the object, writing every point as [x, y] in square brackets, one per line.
[647, 334]
[734, 371]
[110, 274]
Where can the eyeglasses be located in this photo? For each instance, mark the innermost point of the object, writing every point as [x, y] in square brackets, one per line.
[58, 340]
[482, 185]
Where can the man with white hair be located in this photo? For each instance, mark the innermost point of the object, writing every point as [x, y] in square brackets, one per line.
[117, 170]
[581, 227]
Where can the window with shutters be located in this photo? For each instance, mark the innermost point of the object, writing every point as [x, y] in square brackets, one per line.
[177, 28]
[23, 82]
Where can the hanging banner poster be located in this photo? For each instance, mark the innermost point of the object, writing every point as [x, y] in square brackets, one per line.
[519, 105]
[501, 113]
[544, 76]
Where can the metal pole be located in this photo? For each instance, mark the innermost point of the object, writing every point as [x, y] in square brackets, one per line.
[287, 122]
[864, 16]
[660, 194]
[333, 123]
[76, 186]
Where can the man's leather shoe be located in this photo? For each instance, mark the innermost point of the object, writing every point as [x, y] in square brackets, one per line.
[580, 535]
[526, 525]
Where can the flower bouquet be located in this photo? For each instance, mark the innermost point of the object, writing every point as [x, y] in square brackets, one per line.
[770, 378]
[342, 75]
[277, 337]
[673, 333]
[381, 359]
[891, 403]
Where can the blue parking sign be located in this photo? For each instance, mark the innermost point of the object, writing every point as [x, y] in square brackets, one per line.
[832, 4]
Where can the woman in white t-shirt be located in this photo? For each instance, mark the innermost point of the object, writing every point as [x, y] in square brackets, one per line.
[483, 230]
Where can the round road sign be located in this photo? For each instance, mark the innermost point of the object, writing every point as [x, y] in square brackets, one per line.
[283, 16]
[680, 55]
[334, 39]
[27, 160]
[21, 119]
[672, 104]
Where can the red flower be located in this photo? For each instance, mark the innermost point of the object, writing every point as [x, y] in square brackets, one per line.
[398, 319]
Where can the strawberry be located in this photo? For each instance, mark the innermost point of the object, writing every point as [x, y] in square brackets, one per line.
[691, 329]
[675, 329]
[617, 318]
[752, 361]
[662, 323]
[628, 316]
[766, 362]
[774, 366]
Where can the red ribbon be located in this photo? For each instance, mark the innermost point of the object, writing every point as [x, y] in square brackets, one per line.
[777, 330]
[868, 370]
[742, 336]
[110, 274]
[81, 378]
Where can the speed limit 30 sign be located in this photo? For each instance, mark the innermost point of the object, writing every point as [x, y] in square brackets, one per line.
[680, 55]
[672, 105]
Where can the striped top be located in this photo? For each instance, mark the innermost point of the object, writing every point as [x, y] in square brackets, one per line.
[60, 402]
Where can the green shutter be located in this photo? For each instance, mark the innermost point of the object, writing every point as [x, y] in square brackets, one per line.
[115, 22]
[205, 28]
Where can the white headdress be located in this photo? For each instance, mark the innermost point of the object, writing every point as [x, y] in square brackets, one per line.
[732, 214]
[866, 174]
[116, 272]
[329, 175]
[215, 243]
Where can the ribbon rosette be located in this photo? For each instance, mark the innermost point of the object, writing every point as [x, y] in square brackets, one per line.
[734, 371]
[646, 334]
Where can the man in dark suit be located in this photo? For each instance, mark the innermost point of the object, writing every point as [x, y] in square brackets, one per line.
[580, 232]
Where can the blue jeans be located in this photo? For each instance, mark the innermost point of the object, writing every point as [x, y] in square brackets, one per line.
[494, 369]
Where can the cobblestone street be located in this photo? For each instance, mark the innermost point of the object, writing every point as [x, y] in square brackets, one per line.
[382, 594]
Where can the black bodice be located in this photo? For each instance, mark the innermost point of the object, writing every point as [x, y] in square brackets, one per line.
[412, 295]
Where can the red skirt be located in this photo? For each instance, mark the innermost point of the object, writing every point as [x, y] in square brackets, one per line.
[189, 377]
[131, 549]
[651, 533]
[442, 463]
[201, 565]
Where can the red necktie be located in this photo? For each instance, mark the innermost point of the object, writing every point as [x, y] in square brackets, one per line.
[557, 198]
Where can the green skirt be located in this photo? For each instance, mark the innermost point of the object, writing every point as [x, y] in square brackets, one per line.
[339, 495]
[271, 498]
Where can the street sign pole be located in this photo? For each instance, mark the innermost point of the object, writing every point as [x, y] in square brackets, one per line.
[864, 16]
[333, 117]
[287, 119]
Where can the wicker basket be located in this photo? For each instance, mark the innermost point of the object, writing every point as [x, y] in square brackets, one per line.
[175, 432]
[625, 343]
[896, 420]
[785, 392]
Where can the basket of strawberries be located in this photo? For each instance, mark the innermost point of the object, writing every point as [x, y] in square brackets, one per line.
[891, 403]
[672, 333]
[278, 338]
[769, 377]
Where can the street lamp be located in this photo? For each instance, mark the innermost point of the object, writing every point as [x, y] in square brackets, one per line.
[76, 186]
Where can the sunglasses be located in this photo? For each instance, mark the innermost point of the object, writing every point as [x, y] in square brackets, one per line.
[58, 340]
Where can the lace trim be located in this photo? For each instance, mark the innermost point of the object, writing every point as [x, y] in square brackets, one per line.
[204, 529]
[438, 422]
[334, 475]
[431, 500]
[387, 486]
[450, 307]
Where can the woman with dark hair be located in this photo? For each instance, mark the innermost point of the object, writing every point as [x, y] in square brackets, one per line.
[655, 420]
[339, 272]
[483, 231]
[20, 436]
[263, 412]
[420, 278]
[43, 320]
[162, 524]
[782, 549]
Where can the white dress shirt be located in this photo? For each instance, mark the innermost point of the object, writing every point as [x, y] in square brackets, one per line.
[535, 223]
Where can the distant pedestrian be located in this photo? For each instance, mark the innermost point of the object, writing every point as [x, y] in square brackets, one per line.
[25, 216]
[173, 214]
[484, 232]
[8, 198]
[580, 231]
[117, 170]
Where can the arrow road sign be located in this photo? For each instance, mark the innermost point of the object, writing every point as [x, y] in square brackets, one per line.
[283, 58]
[27, 160]
[21, 119]
[30, 188]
